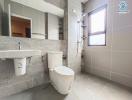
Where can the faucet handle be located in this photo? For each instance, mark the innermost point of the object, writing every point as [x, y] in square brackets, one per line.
[19, 45]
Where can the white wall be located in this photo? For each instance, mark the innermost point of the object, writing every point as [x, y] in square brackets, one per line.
[58, 3]
[53, 27]
[74, 57]
[113, 61]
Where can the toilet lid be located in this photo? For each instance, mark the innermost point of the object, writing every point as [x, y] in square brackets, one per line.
[64, 70]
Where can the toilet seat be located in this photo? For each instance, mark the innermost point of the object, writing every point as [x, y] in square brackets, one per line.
[63, 70]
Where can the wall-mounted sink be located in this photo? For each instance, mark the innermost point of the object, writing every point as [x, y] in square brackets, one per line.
[19, 57]
[11, 54]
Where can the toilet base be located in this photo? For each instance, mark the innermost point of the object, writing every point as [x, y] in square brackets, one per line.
[60, 92]
[61, 80]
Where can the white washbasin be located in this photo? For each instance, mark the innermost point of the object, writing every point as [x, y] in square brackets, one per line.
[12, 54]
[19, 57]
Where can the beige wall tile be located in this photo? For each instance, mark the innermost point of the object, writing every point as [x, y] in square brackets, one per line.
[113, 60]
[100, 72]
[122, 39]
[122, 79]
[122, 63]
[121, 20]
[101, 60]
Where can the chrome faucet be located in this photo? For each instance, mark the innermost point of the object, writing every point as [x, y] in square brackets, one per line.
[19, 45]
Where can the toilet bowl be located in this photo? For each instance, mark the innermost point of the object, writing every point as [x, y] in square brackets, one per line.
[61, 76]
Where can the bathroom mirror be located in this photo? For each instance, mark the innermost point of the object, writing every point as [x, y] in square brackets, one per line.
[31, 19]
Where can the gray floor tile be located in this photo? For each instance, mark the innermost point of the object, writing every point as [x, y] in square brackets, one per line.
[86, 87]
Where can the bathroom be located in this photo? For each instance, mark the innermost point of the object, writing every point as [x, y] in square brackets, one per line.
[34, 34]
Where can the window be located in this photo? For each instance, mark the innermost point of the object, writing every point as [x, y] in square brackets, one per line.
[97, 27]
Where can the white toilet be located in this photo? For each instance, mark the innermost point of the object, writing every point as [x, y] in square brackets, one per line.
[61, 77]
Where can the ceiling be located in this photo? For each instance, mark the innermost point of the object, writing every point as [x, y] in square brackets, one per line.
[43, 6]
[84, 1]
[58, 3]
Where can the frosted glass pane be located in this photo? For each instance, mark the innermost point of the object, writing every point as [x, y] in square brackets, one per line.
[97, 39]
[97, 21]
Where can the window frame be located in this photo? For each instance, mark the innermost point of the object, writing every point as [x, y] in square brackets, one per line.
[97, 33]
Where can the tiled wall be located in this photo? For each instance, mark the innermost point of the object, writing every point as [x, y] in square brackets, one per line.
[37, 69]
[113, 61]
[73, 30]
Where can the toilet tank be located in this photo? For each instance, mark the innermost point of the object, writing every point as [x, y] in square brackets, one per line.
[54, 59]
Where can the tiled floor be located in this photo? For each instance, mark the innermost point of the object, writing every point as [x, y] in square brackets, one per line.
[86, 87]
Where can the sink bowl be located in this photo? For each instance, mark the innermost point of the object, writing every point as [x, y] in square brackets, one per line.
[19, 57]
[12, 54]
